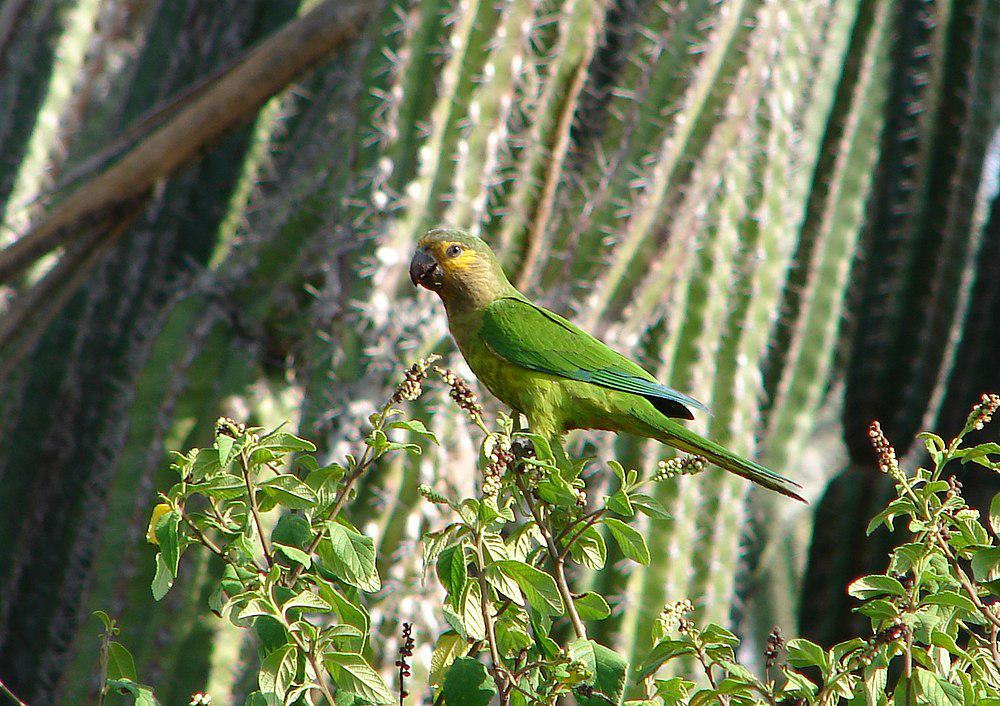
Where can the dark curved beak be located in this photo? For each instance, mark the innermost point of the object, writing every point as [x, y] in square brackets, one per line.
[424, 270]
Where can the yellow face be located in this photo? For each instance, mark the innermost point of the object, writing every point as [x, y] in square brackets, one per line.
[456, 265]
[452, 256]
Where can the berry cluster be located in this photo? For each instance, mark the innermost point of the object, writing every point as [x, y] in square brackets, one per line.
[431, 495]
[673, 617]
[896, 632]
[405, 651]
[680, 466]
[886, 454]
[462, 393]
[501, 458]
[410, 388]
[983, 412]
[775, 644]
[226, 426]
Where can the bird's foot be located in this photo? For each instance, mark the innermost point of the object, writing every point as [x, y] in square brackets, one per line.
[522, 448]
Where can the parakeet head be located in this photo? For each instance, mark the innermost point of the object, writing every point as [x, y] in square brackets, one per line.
[460, 267]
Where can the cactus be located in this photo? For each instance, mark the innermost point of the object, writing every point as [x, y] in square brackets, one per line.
[831, 226]
[94, 402]
[922, 250]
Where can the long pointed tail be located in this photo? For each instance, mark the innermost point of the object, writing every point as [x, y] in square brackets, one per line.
[673, 434]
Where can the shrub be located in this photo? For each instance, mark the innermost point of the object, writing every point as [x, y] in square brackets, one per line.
[517, 630]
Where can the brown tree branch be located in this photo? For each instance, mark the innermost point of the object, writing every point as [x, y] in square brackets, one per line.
[211, 112]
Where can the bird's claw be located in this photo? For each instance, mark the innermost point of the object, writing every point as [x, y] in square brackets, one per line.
[522, 448]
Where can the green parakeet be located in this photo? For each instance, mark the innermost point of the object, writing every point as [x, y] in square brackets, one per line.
[552, 372]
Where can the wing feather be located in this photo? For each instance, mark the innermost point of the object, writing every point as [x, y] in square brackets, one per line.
[532, 337]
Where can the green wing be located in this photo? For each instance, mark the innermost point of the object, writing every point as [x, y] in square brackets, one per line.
[534, 338]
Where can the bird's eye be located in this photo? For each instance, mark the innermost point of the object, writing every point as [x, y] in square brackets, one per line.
[453, 251]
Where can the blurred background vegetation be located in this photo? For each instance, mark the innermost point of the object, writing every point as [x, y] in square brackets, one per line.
[786, 208]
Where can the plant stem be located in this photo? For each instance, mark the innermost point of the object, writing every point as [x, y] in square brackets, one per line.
[105, 638]
[366, 460]
[591, 519]
[963, 578]
[311, 658]
[253, 509]
[558, 560]
[491, 636]
[13, 697]
[319, 679]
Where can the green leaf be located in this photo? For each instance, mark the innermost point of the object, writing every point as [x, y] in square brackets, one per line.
[350, 555]
[512, 633]
[879, 609]
[354, 675]
[450, 645]
[592, 606]
[109, 623]
[803, 653]
[293, 554]
[558, 491]
[947, 642]
[142, 694]
[609, 680]
[981, 454]
[950, 598]
[649, 506]
[589, 549]
[798, 684]
[504, 584]
[716, 635]
[673, 691]
[223, 486]
[582, 650]
[324, 482]
[120, 662]
[308, 602]
[349, 611]
[206, 463]
[225, 445]
[875, 679]
[936, 691]
[898, 507]
[539, 588]
[875, 585]
[619, 504]
[283, 442]
[289, 491]
[995, 514]
[270, 632]
[629, 540]
[453, 572]
[663, 651]
[254, 607]
[468, 684]
[992, 586]
[255, 698]
[162, 580]
[543, 451]
[986, 564]
[292, 531]
[166, 535]
[935, 446]
[471, 617]
[277, 671]
[417, 427]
